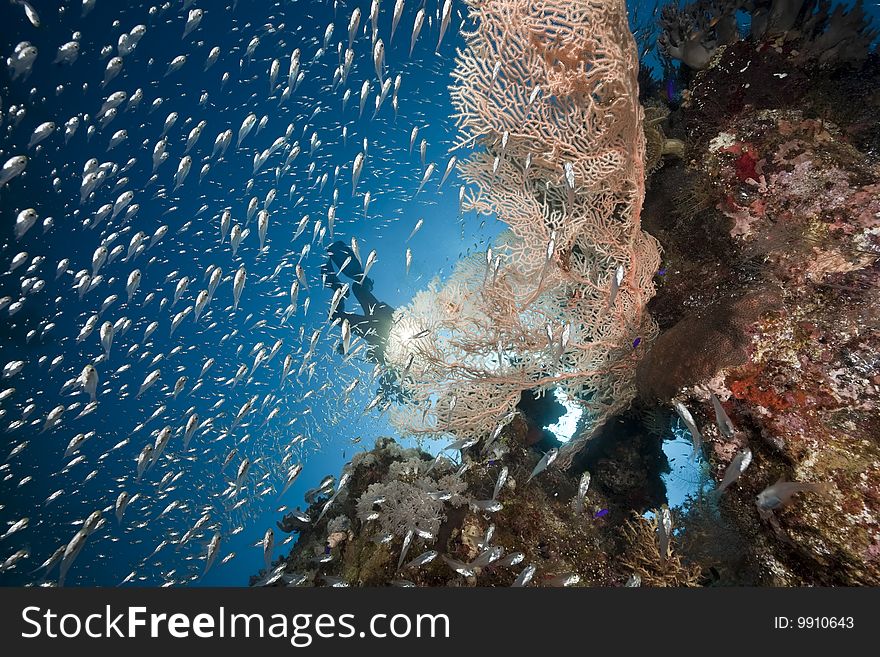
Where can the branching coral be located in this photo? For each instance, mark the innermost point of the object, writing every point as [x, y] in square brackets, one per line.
[693, 33]
[548, 93]
[844, 35]
[411, 499]
[404, 507]
[643, 557]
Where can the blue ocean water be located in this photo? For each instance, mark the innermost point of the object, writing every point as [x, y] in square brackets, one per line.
[688, 478]
[56, 92]
[314, 423]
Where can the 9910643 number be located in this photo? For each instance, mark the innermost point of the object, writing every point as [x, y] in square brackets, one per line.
[824, 622]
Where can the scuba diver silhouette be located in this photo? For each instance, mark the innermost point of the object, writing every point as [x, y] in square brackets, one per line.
[374, 324]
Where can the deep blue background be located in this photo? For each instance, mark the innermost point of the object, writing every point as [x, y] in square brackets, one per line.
[391, 175]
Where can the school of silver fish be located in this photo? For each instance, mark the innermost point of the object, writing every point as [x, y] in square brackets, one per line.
[200, 319]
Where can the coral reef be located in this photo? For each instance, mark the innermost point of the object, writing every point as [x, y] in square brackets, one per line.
[785, 202]
[768, 215]
[536, 523]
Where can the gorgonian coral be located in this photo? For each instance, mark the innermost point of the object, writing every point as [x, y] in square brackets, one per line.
[547, 93]
[411, 498]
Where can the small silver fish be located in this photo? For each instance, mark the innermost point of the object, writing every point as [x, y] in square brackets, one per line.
[499, 484]
[779, 494]
[566, 579]
[417, 27]
[241, 475]
[525, 576]
[213, 548]
[292, 475]
[121, 504]
[76, 544]
[24, 553]
[616, 281]
[53, 559]
[689, 422]
[544, 463]
[664, 530]
[11, 168]
[415, 230]
[446, 14]
[583, 485]
[487, 556]
[29, 11]
[422, 559]
[737, 466]
[268, 543]
[511, 559]
[395, 18]
[458, 566]
[725, 426]
[462, 444]
[15, 527]
[489, 506]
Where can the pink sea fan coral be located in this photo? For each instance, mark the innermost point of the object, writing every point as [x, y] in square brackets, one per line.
[546, 91]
